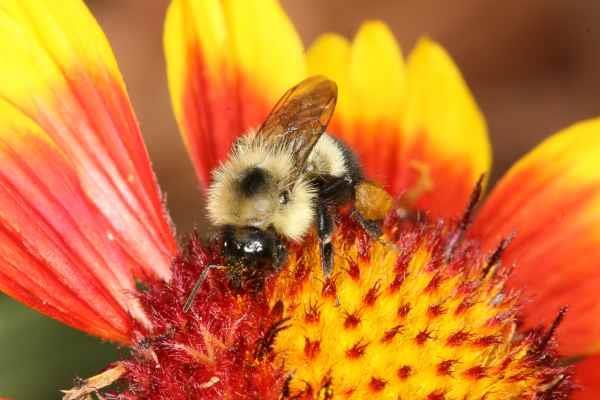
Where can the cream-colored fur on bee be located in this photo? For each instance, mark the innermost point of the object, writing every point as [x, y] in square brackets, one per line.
[228, 206]
[327, 158]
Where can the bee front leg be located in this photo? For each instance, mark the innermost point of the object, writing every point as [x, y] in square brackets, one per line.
[201, 279]
[325, 232]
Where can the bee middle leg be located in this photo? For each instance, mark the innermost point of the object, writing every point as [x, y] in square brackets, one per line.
[333, 190]
[325, 227]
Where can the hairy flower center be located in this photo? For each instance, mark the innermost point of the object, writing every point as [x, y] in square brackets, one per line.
[419, 313]
[401, 318]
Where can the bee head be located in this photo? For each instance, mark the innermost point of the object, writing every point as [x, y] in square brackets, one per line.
[258, 191]
[258, 188]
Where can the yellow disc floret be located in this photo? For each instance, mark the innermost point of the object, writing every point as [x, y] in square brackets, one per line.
[407, 316]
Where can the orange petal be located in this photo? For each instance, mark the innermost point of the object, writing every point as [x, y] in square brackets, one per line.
[372, 85]
[415, 126]
[447, 131]
[58, 70]
[81, 213]
[587, 378]
[228, 61]
[57, 251]
[551, 200]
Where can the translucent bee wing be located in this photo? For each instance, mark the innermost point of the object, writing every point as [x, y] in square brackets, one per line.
[300, 117]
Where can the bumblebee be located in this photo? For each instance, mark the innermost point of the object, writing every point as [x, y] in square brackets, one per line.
[283, 178]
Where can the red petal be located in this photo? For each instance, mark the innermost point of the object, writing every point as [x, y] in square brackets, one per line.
[60, 72]
[57, 251]
[80, 211]
[415, 125]
[587, 377]
[96, 128]
[551, 200]
[226, 70]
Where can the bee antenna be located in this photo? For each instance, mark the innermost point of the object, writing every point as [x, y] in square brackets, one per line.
[466, 219]
[194, 292]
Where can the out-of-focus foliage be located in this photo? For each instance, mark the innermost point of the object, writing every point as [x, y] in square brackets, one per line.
[39, 356]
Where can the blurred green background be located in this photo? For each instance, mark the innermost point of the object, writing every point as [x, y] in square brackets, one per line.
[40, 356]
[532, 65]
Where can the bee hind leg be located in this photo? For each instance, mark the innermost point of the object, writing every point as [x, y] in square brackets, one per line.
[372, 227]
[372, 204]
[325, 231]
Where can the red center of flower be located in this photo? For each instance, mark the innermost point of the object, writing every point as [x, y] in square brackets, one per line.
[419, 314]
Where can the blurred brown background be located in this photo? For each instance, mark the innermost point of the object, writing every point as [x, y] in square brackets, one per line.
[532, 65]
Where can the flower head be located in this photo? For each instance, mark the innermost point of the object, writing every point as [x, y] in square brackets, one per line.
[429, 310]
[219, 349]
[410, 317]
[399, 316]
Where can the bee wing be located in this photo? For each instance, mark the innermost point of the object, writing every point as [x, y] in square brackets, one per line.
[300, 117]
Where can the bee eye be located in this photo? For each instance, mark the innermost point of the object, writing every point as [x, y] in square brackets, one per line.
[284, 197]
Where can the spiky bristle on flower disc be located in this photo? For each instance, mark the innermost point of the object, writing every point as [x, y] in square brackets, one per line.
[217, 350]
[402, 318]
[412, 315]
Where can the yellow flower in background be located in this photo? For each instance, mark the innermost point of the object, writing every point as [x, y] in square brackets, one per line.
[429, 311]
